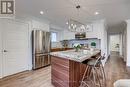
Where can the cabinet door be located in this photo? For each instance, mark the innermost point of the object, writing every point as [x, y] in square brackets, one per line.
[15, 47]
[69, 35]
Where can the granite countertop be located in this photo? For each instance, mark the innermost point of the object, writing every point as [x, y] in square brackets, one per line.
[60, 47]
[75, 56]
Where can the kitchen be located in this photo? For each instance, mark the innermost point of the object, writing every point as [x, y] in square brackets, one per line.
[63, 43]
[42, 39]
[66, 58]
[87, 40]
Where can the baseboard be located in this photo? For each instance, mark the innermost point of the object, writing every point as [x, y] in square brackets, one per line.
[30, 68]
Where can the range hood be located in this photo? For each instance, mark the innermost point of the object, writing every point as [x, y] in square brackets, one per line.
[80, 35]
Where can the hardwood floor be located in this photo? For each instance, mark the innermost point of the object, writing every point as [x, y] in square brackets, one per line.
[38, 78]
[115, 69]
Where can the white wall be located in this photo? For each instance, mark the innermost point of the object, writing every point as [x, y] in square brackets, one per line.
[34, 24]
[121, 45]
[124, 46]
[128, 43]
[39, 25]
[104, 42]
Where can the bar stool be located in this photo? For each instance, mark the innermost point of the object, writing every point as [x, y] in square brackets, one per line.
[96, 76]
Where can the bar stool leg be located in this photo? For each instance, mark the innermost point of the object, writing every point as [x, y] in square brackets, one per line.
[103, 74]
[84, 75]
[82, 81]
[98, 77]
[94, 76]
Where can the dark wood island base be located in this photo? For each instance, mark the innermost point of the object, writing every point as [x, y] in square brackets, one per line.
[66, 73]
[67, 68]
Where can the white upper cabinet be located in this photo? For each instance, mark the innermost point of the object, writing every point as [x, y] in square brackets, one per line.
[68, 35]
[97, 30]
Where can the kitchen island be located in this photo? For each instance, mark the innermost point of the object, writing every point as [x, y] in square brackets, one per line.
[67, 67]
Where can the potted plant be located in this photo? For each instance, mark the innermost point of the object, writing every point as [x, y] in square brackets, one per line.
[77, 47]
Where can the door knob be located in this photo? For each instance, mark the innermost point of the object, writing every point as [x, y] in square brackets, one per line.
[5, 51]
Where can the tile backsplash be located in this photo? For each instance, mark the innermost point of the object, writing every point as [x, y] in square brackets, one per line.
[86, 42]
[56, 45]
[83, 42]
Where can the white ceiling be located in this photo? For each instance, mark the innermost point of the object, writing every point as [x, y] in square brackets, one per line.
[59, 11]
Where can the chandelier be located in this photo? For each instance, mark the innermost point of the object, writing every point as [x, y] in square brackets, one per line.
[76, 26]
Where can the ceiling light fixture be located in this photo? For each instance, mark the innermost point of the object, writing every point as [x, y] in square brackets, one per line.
[41, 12]
[76, 26]
[96, 13]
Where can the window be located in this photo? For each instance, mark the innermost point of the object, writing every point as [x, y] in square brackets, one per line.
[53, 36]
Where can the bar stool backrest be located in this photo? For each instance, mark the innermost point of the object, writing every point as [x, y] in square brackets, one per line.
[103, 57]
[98, 61]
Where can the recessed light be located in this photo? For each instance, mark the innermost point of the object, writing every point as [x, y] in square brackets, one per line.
[67, 23]
[96, 13]
[41, 12]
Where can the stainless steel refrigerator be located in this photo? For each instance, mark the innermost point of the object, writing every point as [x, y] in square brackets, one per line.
[41, 48]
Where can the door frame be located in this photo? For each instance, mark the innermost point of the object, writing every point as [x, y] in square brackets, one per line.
[121, 43]
[1, 55]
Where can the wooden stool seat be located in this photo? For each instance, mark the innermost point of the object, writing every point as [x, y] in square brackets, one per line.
[92, 62]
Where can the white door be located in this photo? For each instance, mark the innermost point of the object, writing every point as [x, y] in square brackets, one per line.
[115, 43]
[15, 47]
